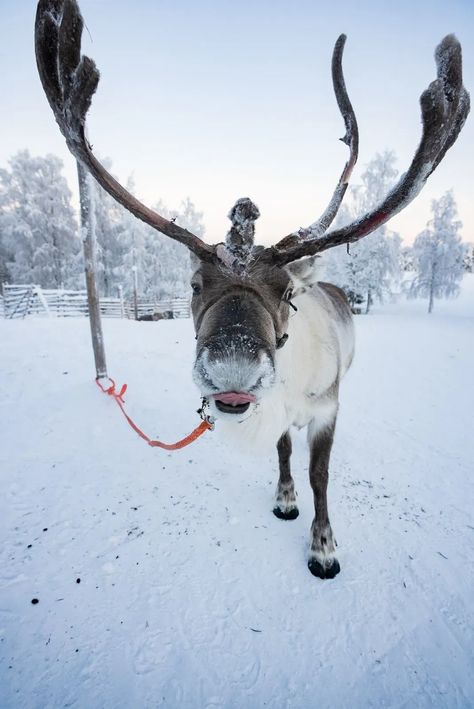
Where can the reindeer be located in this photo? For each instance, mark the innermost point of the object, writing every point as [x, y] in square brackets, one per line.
[261, 370]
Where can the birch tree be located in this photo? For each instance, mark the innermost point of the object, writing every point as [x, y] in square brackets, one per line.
[438, 254]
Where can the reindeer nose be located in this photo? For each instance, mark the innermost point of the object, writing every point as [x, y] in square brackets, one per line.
[235, 343]
[237, 365]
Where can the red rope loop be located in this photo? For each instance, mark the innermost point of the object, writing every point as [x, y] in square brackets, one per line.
[205, 425]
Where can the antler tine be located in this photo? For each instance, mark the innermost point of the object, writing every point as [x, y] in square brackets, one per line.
[69, 81]
[448, 55]
[444, 108]
[351, 138]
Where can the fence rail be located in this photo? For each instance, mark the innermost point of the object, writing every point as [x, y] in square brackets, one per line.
[20, 301]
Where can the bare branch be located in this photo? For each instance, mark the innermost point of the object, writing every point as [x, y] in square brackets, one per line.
[69, 81]
[444, 108]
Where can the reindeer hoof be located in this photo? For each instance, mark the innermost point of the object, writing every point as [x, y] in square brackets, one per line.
[290, 513]
[326, 570]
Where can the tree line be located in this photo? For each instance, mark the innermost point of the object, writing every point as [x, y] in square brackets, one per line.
[373, 268]
[40, 243]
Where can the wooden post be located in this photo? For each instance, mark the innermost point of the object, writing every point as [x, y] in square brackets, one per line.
[88, 240]
[40, 295]
[4, 301]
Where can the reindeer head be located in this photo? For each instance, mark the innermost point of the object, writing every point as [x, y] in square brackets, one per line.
[240, 308]
[242, 292]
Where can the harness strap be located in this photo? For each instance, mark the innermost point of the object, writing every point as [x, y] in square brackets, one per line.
[205, 425]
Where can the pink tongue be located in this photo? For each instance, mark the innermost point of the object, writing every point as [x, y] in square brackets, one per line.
[234, 398]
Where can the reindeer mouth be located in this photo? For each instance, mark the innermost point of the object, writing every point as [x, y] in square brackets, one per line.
[233, 402]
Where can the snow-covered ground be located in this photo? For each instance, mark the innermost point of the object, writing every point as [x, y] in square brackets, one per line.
[191, 593]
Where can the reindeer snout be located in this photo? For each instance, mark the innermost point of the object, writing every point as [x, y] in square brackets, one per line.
[235, 369]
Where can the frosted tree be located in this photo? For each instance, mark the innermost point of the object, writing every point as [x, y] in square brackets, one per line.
[109, 224]
[6, 254]
[406, 259]
[341, 265]
[40, 241]
[162, 265]
[380, 265]
[5, 257]
[131, 235]
[168, 265]
[127, 246]
[469, 258]
[438, 254]
[368, 269]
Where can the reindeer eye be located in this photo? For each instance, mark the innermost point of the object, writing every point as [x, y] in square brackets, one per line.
[288, 295]
[196, 288]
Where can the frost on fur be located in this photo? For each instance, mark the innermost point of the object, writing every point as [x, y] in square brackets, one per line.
[240, 238]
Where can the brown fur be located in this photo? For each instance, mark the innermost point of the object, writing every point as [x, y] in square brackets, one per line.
[258, 293]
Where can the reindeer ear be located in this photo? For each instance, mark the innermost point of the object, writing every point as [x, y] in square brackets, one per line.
[304, 273]
[305, 269]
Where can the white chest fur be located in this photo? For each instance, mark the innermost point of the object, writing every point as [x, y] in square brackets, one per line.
[308, 370]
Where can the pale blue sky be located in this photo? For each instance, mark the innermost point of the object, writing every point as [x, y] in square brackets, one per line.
[218, 100]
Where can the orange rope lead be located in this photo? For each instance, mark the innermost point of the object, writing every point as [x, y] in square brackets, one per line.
[205, 425]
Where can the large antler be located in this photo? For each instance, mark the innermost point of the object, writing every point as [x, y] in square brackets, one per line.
[69, 81]
[444, 108]
[351, 138]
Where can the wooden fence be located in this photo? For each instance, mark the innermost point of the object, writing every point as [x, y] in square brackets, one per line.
[20, 301]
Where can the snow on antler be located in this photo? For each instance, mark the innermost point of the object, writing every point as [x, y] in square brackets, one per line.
[240, 238]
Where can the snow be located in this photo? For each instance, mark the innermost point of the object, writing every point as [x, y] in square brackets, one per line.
[191, 592]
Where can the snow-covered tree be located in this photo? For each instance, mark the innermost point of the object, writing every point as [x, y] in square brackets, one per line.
[40, 242]
[368, 268]
[469, 258]
[406, 259]
[125, 246]
[5, 254]
[341, 265]
[438, 254]
[109, 224]
[163, 266]
[169, 263]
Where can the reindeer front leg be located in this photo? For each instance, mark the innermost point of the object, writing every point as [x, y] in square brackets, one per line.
[322, 561]
[285, 501]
